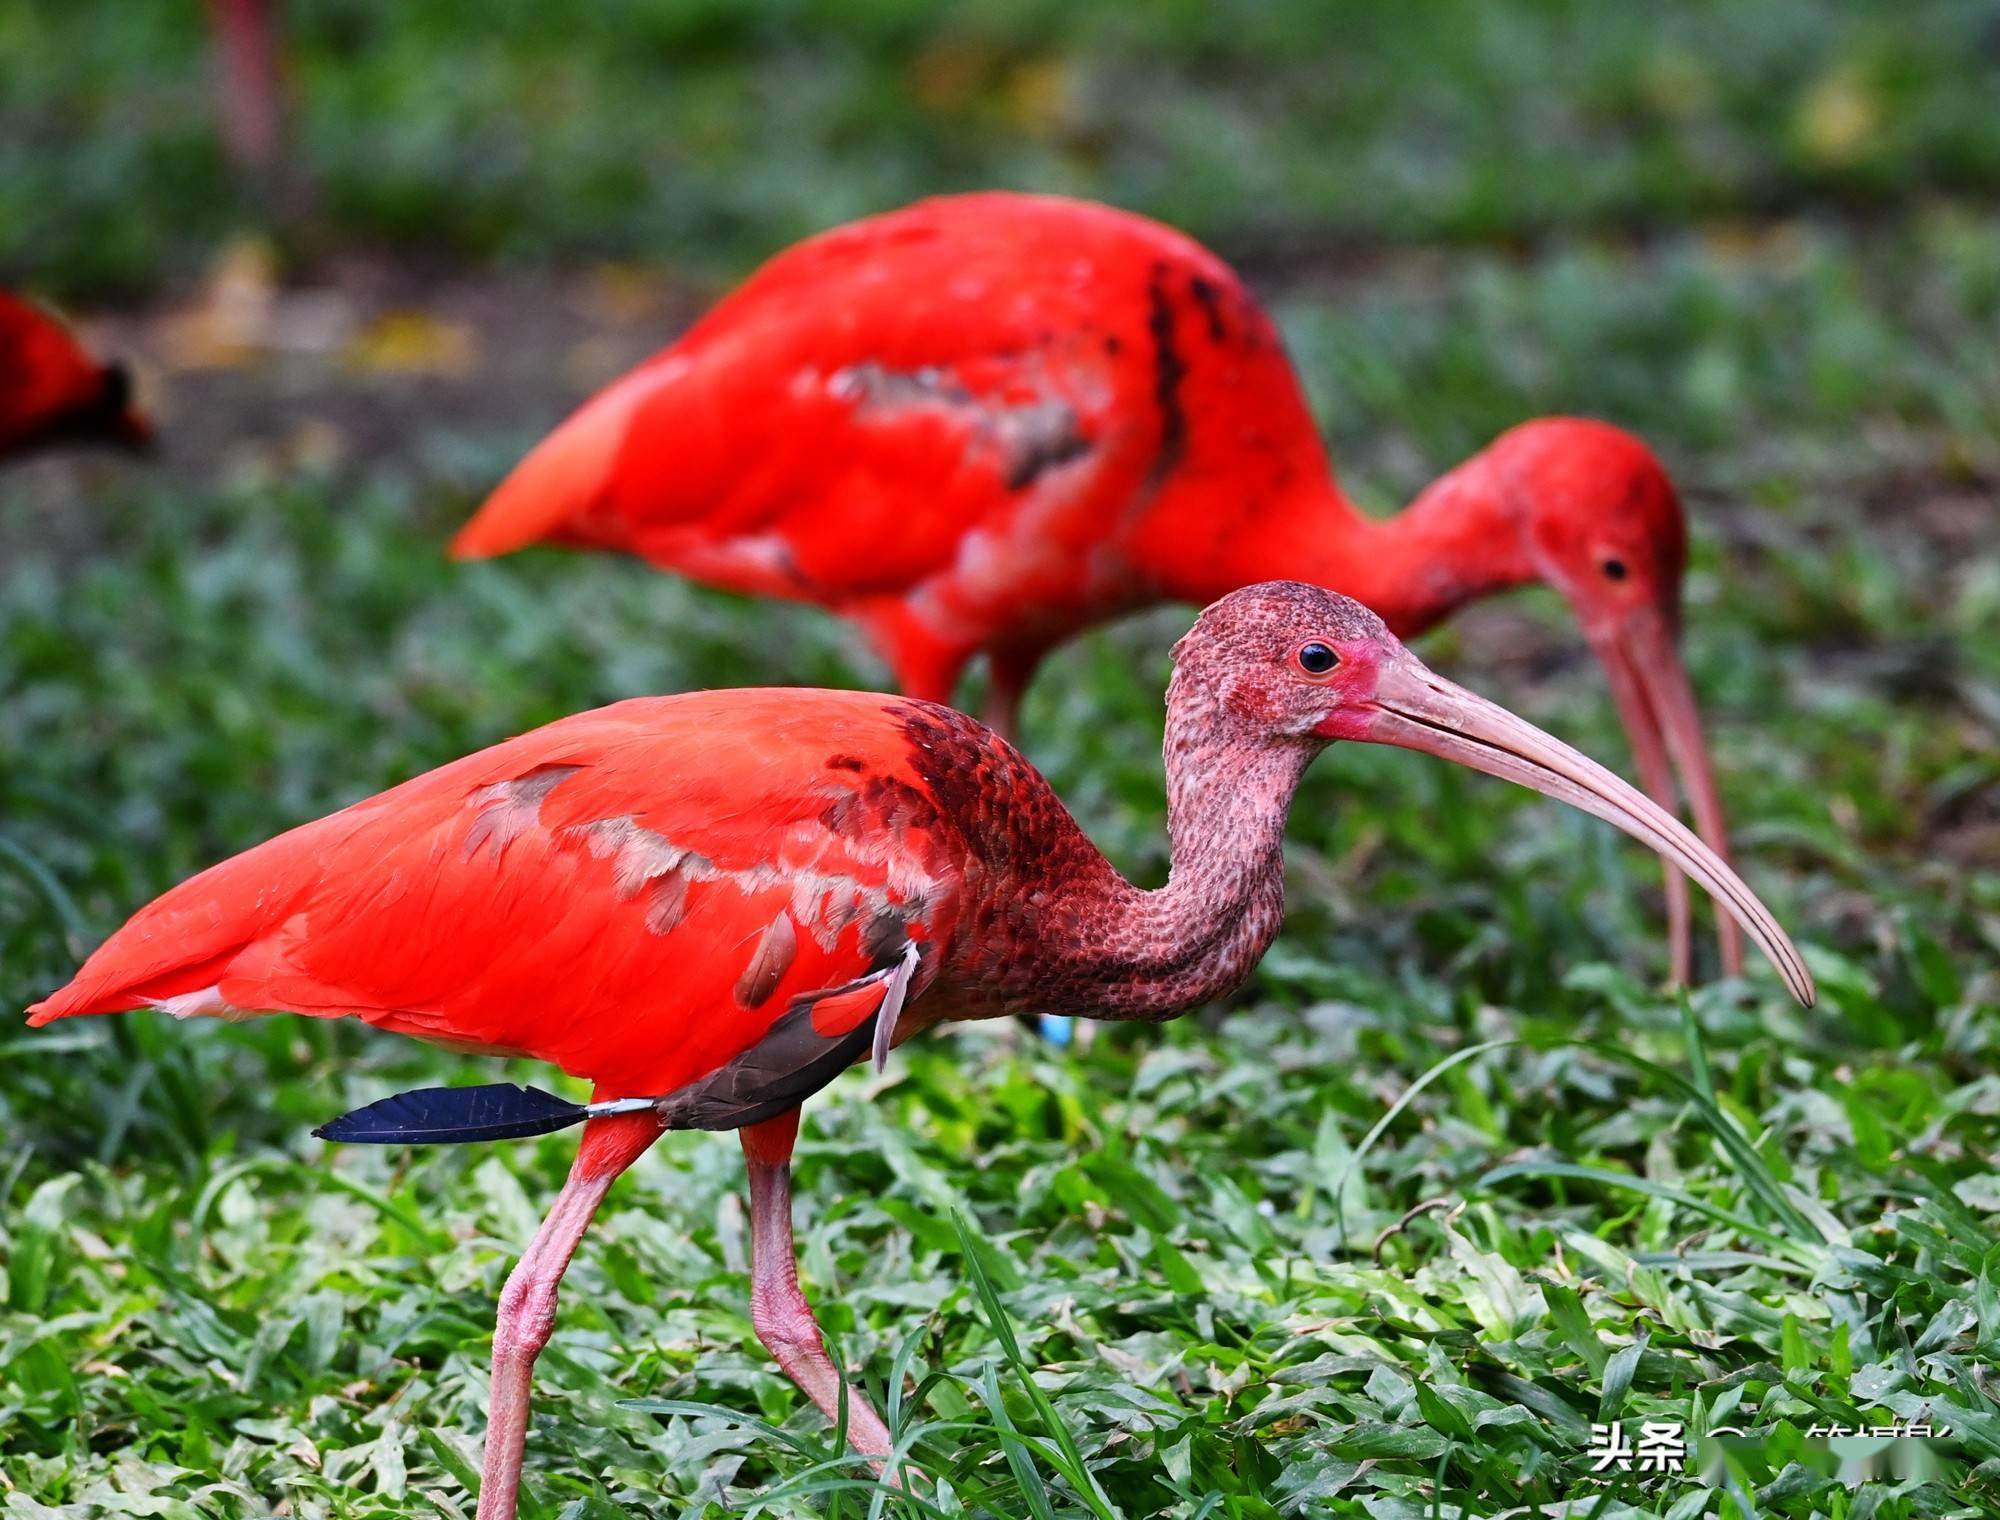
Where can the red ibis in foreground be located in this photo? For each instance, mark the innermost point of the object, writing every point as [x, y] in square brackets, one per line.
[985, 422]
[52, 392]
[709, 905]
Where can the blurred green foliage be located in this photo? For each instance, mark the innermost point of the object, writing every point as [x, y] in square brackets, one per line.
[702, 133]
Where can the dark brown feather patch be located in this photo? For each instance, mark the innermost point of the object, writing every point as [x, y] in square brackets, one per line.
[776, 947]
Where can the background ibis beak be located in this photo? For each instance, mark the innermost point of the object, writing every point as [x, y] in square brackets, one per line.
[1650, 686]
[1419, 710]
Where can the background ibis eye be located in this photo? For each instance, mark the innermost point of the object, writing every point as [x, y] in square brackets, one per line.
[1317, 659]
[1615, 568]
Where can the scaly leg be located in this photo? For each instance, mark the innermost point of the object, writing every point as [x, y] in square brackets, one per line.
[1008, 672]
[528, 1302]
[779, 1311]
[251, 100]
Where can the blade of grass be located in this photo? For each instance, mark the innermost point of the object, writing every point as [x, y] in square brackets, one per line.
[75, 929]
[1755, 1171]
[1016, 1449]
[1608, 1178]
[1697, 1048]
[696, 1410]
[1457, 1058]
[823, 1478]
[1072, 1467]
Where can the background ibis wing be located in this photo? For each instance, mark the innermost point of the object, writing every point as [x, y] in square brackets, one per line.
[838, 425]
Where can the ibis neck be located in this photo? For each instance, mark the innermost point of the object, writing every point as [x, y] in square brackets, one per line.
[1127, 953]
[1460, 540]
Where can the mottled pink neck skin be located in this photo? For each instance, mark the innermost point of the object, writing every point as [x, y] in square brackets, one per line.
[1464, 537]
[1055, 927]
[1136, 954]
[1200, 936]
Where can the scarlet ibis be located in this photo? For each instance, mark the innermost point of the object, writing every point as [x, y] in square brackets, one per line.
[51, 391]
[709, 905]
[985, 422]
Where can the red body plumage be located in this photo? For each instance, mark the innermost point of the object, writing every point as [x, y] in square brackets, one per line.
[981, 423]
[711, 904]
[635, 894]
[52, 391]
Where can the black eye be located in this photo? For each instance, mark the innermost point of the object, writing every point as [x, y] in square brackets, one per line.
[1615, 568]
[1317, 659]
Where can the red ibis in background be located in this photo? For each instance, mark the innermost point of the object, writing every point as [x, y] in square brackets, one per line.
[52, 392]
[985, 422]
[249, 85]
[709, 905]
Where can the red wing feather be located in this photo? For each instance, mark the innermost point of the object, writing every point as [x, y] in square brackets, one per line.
[556, 489]
[635, 894]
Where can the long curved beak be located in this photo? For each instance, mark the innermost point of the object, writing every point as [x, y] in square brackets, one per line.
[1650, 687]
[1417, 709]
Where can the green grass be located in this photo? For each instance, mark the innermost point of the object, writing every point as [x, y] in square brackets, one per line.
[1450, 1182]
[1750, 1215]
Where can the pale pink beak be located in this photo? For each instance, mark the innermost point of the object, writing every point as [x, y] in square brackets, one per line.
[1419, 710]
[1650, 687]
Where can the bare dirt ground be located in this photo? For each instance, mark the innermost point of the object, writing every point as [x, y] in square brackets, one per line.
[368, 350]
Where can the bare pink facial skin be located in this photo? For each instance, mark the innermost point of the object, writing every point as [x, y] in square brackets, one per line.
[1353, 684]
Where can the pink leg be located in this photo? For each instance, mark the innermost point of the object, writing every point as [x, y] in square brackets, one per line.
[923, 667]
[783, 1318]
[251, 106]
[1008, 672]
[528, 1302]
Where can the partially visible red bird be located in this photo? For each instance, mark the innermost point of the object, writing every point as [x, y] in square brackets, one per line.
[52, 392]
[709, 905]
[985, 422]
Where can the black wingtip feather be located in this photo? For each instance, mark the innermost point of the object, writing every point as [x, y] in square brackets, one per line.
[454, 1115]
